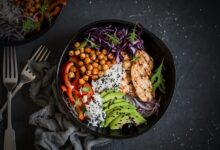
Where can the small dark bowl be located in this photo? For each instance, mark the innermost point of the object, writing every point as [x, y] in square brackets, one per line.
[156, 48]
[34, 35]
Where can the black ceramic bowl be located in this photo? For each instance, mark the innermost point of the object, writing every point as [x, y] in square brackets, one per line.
[156, 48]
[34, 35]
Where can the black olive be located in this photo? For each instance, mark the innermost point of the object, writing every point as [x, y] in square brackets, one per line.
[129, 128]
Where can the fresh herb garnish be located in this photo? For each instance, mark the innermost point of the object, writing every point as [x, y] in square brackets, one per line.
[93, 45]
[132, 36]
[28, 25]
[49, 17]
[83, 44]
[85, 89]
[113, 38]
[43, 8]
[158, 80]
[135, 58]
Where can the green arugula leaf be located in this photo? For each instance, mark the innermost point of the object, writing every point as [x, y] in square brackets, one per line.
[135, 58]
[113, 38]
[28, 25]
[93, 45]
[85, 89]
[158, 80]
[43, 8]
[132, 36]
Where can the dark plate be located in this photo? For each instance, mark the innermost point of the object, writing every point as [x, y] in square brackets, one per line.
[34, 35]
[156, 48]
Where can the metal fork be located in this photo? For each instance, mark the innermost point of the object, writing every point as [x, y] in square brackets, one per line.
[27, 76]
[10, 79]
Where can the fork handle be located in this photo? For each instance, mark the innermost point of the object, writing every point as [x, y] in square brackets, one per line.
[17, 88]
[9, 139]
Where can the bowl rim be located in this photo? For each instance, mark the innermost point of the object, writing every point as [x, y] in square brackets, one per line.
[126, 23]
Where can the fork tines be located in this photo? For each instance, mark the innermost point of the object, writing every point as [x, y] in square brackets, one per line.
[41, 54]
[10, 69]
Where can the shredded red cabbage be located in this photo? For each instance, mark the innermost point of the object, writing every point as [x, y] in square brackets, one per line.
[146, 109]
[98, 36]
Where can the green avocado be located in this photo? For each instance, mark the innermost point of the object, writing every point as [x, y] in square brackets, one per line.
[106, 92]
[113, 95]
[110, 117]
[113, 101]
[117, 105]
[124, 118]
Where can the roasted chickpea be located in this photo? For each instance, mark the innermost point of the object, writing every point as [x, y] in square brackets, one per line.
[95, 64]
[93, 57]
[71, 75]
[100, 67]
[127, 64]
[81, 81]
[86, 77]
[100, 74]
[88, 72]
[87, 60]
[87, 50]
[105, 67]
[94, 77]
[37, 6]
[82, 50]
[71, 52]
[32, 9]
[102, 62]
[126, 57]
[89, 67]
[113, 61]
[83, 69]
[82, 55]
[104, 51]
[97, 53]
[101, 56]
[77, 44]
[80, 63]
[92, 52]
[95, 71]
[110, 56]
[105, 58]
[77, 52]
[109, 63]
[73, 69]
[97, 60]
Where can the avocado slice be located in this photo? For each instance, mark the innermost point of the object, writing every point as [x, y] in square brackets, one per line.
[119, 108]
[113, 101]
[113, 95]
[110, 117]
[117, 105]
[104, 93]
[122, 119]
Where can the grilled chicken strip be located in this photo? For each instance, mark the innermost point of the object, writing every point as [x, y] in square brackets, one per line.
[126, 85]
[141, 70]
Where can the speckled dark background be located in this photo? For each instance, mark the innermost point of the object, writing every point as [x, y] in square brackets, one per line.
[190, 28]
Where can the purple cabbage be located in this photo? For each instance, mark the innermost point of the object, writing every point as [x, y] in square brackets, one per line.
[146, 109]
[98, 36]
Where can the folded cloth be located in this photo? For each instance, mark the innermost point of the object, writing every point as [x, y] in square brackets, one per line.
[54, 130]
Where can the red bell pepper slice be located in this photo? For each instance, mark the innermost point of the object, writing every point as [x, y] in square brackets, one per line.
[66, 78]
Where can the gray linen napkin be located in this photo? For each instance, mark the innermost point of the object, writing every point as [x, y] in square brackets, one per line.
[54, 130]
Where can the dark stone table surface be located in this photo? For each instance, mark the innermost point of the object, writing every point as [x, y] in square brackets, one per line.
[190, 28]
